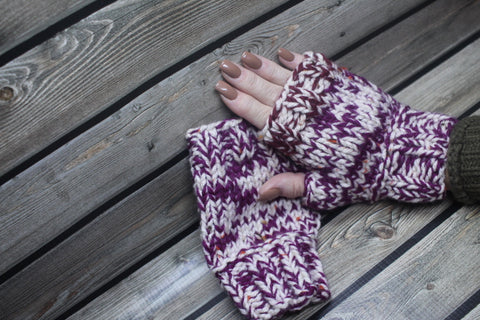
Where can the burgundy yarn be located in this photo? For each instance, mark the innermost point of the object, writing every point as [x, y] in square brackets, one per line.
[356, 142]
[263, 253]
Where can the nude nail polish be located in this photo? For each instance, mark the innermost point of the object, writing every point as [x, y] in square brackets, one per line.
[269, 194]
[251, 60]
[230, 69]
[226, 90]
[285, 54]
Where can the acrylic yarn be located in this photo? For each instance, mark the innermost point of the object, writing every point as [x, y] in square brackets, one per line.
[263, 253]
[355, 140]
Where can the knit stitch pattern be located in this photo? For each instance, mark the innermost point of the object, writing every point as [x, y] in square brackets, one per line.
[357, 142]
[263, 253]
[464, 160]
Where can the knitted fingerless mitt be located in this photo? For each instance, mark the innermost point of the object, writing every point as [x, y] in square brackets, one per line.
[263, 253]
[356, 141]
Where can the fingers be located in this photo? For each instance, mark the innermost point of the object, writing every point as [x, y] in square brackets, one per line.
[266, 68]
[289, 185]
[251, 89]
[289, 59]
[244, 105]
[249, 82]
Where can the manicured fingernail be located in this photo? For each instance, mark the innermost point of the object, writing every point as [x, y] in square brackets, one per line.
[230, 69]
[251, 60]
[285, 54]
[226, 90]
[268, 194]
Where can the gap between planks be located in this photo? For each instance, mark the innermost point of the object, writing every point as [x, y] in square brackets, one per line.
[103, 57]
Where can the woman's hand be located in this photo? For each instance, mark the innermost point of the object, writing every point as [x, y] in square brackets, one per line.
[250, 91]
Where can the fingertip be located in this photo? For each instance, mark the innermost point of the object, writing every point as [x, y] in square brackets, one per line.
[226, 90]
[266, 193]
[251, 60]
[230, 68]
[289, 59]
[286, 55]
[289, 185]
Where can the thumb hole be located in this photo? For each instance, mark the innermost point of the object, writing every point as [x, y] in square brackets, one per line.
[289, 185]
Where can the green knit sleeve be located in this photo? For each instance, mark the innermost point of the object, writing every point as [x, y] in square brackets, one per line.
[463, 160]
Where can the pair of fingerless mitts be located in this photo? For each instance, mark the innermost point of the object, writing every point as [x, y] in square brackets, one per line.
[354, 143]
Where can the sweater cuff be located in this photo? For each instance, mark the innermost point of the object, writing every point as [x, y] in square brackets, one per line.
[463, 162]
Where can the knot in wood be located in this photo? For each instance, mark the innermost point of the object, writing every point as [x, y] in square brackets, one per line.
[382, 230]
[150, 146]
[6, 94]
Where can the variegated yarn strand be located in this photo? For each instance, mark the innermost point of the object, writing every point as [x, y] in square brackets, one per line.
[263, 253]
[355, 140]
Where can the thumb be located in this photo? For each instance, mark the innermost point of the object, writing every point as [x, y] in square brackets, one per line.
[288, 185]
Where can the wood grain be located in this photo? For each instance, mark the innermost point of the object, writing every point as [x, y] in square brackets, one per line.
[158, 286]
[26, 287]
[473, 315]
[21, 19]
[69, 79]
[431, 280]
[364, 233]
[112, 243]
[50, 196]
[422, 37]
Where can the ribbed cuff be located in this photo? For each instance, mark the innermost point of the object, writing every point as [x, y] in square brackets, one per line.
[464, 160]
[302, 97]
[417, 156]
[264, 253]
[283, 274]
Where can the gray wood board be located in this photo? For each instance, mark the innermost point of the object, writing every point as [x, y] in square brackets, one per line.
[473, 315]
[22, 19]
[430, 280]
[50, 196]
[70, 78]
[108, 246]
[413, 42]
[113, 223]
[48, 302]
[365, 234]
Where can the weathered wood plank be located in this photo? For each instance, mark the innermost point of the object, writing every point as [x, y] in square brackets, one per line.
[366, 233]
[112, 243]
[67, 80]
[155, 289]
[21, 19]
[430, 280]
[473, 315]
[99, 266]
[44, 200]
[413, 42]
[20, 287]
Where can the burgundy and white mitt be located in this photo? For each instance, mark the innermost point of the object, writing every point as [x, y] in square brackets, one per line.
[356, 142]
[263, 253]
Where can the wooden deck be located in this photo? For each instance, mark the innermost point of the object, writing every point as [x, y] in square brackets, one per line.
[97, 215]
